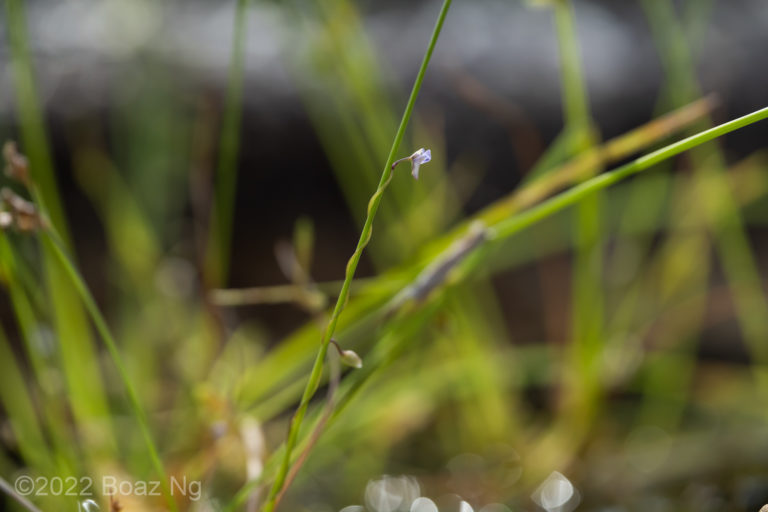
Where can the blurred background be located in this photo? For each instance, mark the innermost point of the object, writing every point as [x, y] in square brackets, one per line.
[208, 165]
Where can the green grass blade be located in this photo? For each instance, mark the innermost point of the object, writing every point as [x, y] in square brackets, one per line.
[78, 356]
[19, 406]
[517, 223]
[56, 247]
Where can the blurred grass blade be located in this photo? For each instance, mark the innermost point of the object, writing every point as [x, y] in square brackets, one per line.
[719, 210]
[52, 398]
[19, 406]
[576, 169]
[220, 225]
[523, 220]
[581, 386]
[78, 356]
[55, 246]
[32, 124]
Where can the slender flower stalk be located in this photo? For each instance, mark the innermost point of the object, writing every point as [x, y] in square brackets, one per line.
[365, 235]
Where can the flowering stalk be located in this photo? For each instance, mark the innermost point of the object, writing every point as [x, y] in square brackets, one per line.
[365, 235]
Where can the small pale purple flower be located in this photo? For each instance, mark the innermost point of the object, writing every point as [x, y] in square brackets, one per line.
[421, 156]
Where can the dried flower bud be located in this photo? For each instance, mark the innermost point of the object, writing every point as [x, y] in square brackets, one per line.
[16, 164]
[24, 215]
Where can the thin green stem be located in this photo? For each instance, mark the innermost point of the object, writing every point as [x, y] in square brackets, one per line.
[55, 245]
[508, 227]
[365, 235]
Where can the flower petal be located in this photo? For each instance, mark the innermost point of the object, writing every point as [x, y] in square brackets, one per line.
[415, 169]
[421, 156]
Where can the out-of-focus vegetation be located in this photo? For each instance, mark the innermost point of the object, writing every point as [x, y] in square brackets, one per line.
[618, 408]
